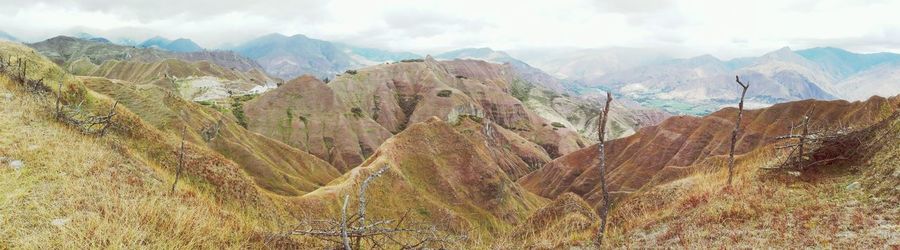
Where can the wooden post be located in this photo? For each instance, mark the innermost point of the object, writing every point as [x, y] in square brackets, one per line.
[58, 96]
[180, 159]
[345, 238]
[802, 141]
[737, 126]
[601, 134]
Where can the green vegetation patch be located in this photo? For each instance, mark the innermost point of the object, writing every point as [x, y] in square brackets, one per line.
[445, 93]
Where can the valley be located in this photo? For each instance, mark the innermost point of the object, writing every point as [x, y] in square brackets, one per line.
[118, 138]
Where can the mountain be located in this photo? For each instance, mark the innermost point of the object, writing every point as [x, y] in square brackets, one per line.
[156, 41]
[65, 50]
[307, 114]
[683, 145]
[853, 173]
[274, 166]
[549, 98]
[523, 70]
[883, 79]
[399, 94]
[375, 56]
[8, 37]
[290, 57]
[121, 181]
[178, 45]
[183, 45]
[579, 65]
[345, 120]
[441, 173]
[702, 84]
[859, 75]
[201, 76]
[843, 64]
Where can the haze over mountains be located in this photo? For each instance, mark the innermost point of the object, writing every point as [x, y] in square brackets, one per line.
[699, 85]
[485, 149]
[651, 77]
[293, 56]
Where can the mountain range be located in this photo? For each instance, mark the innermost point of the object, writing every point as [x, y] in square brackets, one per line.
[476, 150]
[290, 57]
[300, 143]
[702, 84]
[177, 45]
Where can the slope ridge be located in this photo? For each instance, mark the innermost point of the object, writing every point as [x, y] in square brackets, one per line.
[441, 175]
[665, 152]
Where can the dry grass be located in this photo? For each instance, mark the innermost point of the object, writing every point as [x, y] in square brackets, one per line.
[762, 209]
[80, 191]
[99, 196]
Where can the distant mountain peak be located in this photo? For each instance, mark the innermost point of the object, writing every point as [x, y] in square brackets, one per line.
[177, 45]
[780, 52]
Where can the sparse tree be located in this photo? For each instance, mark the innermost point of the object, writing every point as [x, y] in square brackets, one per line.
[737, 126]
[601, 134]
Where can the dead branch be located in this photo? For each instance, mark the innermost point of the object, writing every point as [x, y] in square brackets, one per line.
[362, 193]
[802, 141]
[352, 230]
[737, 127]
[803, 144]
[345, 239]
[601, 126]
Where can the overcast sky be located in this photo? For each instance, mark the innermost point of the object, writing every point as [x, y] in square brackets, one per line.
[722, 28]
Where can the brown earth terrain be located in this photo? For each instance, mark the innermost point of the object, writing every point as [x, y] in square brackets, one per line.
[666, 152]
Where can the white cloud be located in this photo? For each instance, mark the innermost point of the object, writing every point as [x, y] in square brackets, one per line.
[722, 28]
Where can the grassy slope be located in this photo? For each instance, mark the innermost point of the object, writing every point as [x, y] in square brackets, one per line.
[274, 166]
[113, 191]
[442, 178]
[765, 209]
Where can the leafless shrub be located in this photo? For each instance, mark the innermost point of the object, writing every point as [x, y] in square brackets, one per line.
[73, 115]
[800, 147]
[354, 231]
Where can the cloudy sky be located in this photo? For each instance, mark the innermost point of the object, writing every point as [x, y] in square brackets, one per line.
[723, 28]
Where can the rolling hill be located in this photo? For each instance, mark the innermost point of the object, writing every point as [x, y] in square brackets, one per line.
[847, 203]
[200, 76]
[670, 150]
[549, 98]
[444, 176]
[83, 189]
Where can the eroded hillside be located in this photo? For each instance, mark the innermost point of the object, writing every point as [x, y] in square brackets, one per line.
[669, 150]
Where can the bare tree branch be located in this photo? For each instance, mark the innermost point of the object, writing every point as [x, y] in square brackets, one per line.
[601, 126]
[737, 126]
[345, 238]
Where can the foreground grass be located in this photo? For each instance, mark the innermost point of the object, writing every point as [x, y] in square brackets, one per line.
[763, 209]
[76, 191]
